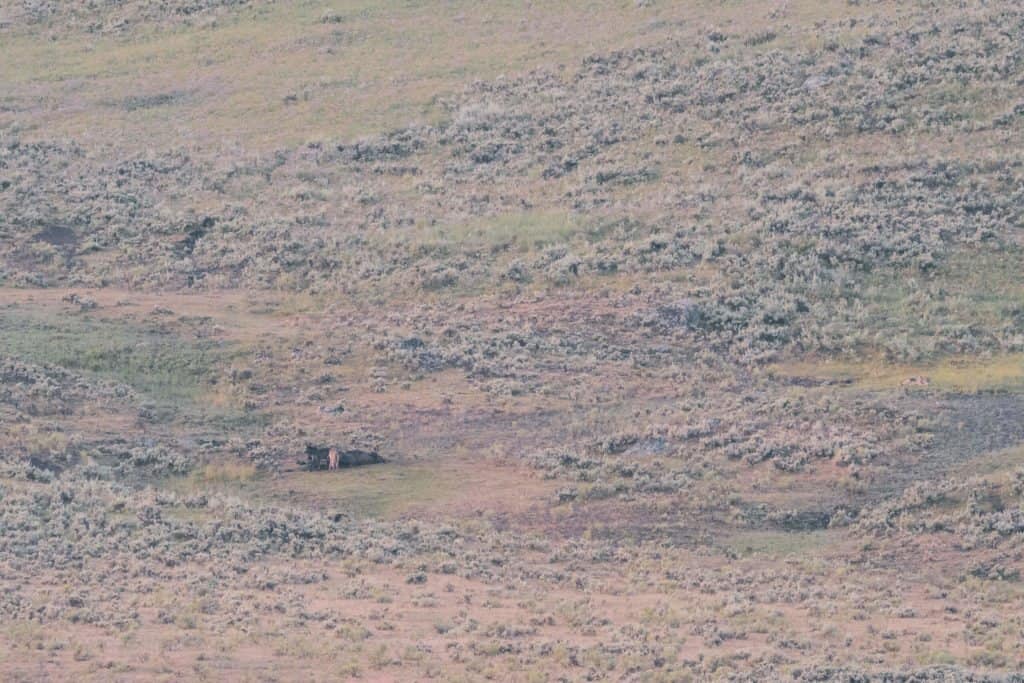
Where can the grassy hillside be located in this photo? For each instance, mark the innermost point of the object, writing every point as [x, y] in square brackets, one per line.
[691, 334]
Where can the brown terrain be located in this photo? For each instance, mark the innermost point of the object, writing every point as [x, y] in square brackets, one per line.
[690, 337]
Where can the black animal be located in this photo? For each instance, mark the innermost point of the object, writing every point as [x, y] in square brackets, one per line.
[316, 458]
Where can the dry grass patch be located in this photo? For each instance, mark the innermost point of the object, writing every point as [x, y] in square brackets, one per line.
[959, 375]
[290, 77]
[421, 490]
[779, 544]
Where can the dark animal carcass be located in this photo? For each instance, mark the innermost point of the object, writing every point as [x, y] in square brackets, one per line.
[316, 457]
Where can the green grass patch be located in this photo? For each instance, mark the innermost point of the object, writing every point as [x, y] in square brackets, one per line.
[384, 491]
[372, 67]
[971, 287]
[377, 66]
[374, 491]
[380, 491]
[959, 374]
[162, 366]
[777, 543]
[523, 232]
[225, 473]
[984, 287]
[1003, 462]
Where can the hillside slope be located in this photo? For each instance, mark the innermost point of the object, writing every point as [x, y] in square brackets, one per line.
[691, 334]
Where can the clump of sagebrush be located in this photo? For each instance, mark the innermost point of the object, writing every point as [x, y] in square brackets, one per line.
[787, 242]
[977, 511]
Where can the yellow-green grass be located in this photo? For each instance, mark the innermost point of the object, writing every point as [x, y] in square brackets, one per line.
[384, 64]
[374, 491]
[449, 486]
[984, 285]
[972, 286]
[224, 473]
[380, 67]
[168, 368]
[999, 464]
[522, 231]
[159, 364]
[778, 543]
[957, 374]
